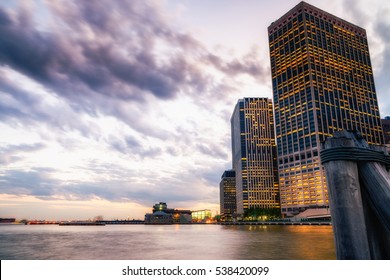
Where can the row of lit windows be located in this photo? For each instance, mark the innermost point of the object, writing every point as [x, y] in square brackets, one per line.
[325, 73]
[303, 188]
[295, 191]
[336, 38]
[300, 192]
[312, 169]
[331, 58]
[331, 118]
[322, 73]
[349, 53]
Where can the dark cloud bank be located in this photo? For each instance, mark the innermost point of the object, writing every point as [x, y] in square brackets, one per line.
[109, 48]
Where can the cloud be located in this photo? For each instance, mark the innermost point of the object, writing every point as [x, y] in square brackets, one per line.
[14, 100]
[250, 64]
[42, 184]
[382, 26]
[35, 182]
[78, 66]
[109, 49]
[213, 149]
[128, 145]
[13, 153]
[110, 58]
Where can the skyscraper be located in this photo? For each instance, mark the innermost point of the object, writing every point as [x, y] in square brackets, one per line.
[254, 154]
[322, 81]
[227, 191]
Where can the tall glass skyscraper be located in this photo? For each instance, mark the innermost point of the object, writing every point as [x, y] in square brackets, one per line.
[322, 81]
[254, 154]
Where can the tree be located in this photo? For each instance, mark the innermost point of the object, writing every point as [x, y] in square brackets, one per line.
[264, 214]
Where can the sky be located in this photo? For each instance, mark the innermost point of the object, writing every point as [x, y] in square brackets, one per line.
[108, 107]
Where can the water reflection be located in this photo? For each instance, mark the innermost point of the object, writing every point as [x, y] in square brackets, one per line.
[167, 242]
[285, 242]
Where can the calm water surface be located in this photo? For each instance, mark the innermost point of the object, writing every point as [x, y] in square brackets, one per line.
[181, 242]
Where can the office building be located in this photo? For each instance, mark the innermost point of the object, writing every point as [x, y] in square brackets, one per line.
[254, 154]
[322, 81]
[227, 191]
[386, 129]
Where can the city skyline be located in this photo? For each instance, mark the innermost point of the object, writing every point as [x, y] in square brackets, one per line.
[109, 107]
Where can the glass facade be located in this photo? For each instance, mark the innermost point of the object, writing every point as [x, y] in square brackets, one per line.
[227, 190]
[322, 81]
[254, 154]
[201, 215]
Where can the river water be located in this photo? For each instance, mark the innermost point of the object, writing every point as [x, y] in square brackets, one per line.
[171, 242]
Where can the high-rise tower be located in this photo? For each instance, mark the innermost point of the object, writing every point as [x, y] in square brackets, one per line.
[254, 154]
[322, 81]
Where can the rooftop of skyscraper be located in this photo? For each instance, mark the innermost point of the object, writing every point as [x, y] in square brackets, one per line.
[316, 11]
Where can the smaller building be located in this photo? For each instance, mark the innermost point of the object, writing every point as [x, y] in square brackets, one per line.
[201, 216]
[386, 129]
[227, 192]
[158, 218]
[181, 218]
[164, 215]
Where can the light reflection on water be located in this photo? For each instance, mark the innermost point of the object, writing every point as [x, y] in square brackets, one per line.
[182, 242]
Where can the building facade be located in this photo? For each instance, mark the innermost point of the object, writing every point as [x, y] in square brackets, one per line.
[227, 191]
[164, 215]
[202, 216]
[386, 129]
[158, 218]
[254, 154]
[322, 81]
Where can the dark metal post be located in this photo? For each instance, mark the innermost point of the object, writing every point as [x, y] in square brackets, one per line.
[359, 194]
[346, 205]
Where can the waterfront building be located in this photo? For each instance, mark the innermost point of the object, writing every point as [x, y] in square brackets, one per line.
[322, 81]
[199, 216]
[386, 129]
[161, 206]
[164, 215]
[158, 217]
[227, 192]
[254, 154]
